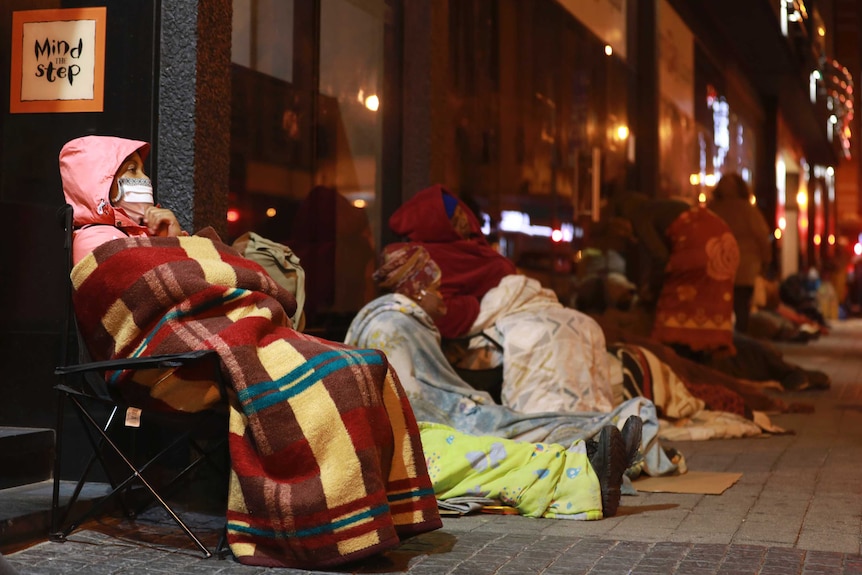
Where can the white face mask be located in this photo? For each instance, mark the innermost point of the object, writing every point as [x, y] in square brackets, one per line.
[134, 196]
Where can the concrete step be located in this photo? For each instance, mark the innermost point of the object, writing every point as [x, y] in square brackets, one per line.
[25, 510]
[26, 455]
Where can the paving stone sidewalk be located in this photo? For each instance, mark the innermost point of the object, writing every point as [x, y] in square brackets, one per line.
[796, 510]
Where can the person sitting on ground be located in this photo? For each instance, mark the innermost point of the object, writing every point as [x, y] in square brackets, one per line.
[554, 358]
[400, 323]
[772, 319]
[688, 260]
[327, 464]
[736, 384]
[794, 294]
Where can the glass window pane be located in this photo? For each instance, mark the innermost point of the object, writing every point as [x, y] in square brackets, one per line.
[306, 139]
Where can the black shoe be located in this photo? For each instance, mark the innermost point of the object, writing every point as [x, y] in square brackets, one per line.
[608, 459]
[632, 434]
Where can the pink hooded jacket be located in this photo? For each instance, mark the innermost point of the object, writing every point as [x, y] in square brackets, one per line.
[87, 168]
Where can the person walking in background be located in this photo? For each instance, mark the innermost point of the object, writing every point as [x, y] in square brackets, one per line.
[731, 200]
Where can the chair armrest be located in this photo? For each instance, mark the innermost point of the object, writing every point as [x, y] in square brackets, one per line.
[152, 362]
[167, 361]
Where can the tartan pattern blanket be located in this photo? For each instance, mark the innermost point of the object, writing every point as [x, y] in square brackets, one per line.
[327, 464]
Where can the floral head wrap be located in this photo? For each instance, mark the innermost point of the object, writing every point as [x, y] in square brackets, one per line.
[407, 269]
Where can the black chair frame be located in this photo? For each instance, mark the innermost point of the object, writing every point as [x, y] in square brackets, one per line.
[83, 387]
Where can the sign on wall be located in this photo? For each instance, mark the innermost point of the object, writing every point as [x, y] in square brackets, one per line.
[58, 60]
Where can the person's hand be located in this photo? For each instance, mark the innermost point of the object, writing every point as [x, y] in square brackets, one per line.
[162, 222]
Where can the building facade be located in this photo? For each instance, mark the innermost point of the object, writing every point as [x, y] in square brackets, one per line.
[310, 121]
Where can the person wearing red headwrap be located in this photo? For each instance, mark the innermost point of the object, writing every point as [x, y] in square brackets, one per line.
[554, 358]
[450, 232]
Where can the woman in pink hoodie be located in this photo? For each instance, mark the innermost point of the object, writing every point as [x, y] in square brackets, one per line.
[104, 182]
[326, 460]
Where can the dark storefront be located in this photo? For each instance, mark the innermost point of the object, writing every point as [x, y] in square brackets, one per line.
[309, 121]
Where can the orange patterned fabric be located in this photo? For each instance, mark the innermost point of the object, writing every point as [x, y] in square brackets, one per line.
[407, 269]
[695, 307]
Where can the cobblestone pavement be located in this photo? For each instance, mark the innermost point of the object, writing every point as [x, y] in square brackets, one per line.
[796, 510]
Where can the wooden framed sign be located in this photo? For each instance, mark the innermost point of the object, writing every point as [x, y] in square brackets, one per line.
[58, 60]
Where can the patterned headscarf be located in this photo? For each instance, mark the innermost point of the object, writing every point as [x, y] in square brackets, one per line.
[407, 269]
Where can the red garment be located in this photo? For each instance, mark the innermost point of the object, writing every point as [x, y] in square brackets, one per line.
[470, 267]
[695, 306]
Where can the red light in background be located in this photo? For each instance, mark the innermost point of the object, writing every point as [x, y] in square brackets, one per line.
[233, 215]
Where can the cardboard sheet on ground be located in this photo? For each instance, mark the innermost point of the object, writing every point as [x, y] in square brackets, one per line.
[706, 482]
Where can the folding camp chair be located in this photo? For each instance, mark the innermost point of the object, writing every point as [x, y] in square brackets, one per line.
[103, 413]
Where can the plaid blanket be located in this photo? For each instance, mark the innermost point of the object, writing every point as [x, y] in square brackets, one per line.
[327, 464]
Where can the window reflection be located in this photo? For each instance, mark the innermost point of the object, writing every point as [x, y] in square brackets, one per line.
[540, 123]
[305, 125]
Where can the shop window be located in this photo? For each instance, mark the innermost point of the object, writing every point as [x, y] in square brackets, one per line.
[306, 136]
[539, 122]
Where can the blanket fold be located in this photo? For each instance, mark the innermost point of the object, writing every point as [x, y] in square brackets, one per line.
[327, 464]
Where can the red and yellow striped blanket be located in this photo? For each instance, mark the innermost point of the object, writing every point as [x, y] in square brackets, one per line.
[327, 465]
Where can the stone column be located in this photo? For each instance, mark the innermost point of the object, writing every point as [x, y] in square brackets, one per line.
[194, 101]
[428, 143]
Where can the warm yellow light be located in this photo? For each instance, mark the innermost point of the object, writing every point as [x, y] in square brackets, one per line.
[821, 31]
[372, 102]
[777, 234]
[608, 50]
[782, 223]
[701, 198]
[817, 239]
[830, 239]
[359, 203]
[710, 180]
[270, 212]
[803, 223]
[622, 132]
[802, 198]
[694, 179]
[753, 200]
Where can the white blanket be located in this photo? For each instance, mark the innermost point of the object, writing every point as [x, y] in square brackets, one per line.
[554, 358]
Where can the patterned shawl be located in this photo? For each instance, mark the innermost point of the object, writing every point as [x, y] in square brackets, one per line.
[695, 307]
